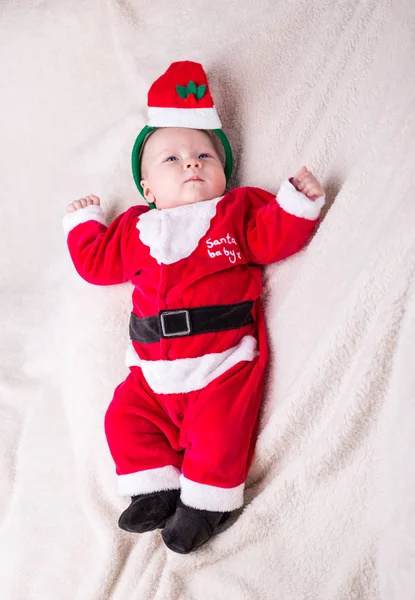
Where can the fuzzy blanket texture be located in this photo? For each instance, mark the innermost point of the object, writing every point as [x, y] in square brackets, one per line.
[330, 500]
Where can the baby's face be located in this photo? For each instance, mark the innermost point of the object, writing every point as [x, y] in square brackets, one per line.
[181, 166]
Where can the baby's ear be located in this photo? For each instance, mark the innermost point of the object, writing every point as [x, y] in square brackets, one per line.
[148, 194]
[144, 185]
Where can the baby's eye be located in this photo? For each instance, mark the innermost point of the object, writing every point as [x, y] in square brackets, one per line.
[204, 155]
[170, 159]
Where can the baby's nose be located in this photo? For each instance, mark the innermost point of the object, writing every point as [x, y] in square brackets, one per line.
[192, 163]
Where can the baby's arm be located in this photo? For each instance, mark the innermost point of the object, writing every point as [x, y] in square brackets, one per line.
[279, 226]
[97, 251]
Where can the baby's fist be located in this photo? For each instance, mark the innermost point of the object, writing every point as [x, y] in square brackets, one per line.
[307, 184]
[83, 203]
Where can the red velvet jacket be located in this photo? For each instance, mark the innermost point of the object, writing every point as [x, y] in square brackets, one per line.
[206, 253]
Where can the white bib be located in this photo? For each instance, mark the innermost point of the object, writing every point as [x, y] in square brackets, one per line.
[174, 233]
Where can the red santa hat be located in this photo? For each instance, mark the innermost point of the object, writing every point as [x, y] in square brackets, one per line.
[181, 98]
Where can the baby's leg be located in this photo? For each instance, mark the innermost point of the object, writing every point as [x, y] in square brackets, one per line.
[144, 444]
[221, 428]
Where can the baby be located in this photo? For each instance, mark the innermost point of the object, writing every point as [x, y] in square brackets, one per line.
[182, 427]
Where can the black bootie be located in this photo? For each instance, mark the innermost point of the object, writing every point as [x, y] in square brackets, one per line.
[149, 511]
[189, 528]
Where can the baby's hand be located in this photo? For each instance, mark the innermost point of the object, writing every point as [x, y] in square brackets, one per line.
[83, 202]
[306, 183]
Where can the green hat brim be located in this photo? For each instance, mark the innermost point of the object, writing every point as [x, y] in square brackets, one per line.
[138, 146]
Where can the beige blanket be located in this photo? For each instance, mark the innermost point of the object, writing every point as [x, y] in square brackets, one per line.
[330, 511]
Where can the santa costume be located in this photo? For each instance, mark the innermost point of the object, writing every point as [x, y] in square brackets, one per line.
[184, 421]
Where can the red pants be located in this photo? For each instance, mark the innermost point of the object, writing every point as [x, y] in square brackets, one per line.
[201, 441]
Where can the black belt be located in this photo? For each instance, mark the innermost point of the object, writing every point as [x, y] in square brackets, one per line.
[190, 321]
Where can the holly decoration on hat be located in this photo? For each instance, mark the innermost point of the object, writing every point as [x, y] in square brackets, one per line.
[191, 93]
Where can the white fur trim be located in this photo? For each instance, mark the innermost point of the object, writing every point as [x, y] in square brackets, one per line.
[210, 497]
[151, 480]
[195, 118]
[82, 215]
[174, 233]
[189, 374]
[296, 203]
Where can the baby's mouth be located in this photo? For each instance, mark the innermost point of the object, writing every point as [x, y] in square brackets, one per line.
[194, 178]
